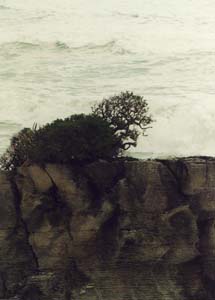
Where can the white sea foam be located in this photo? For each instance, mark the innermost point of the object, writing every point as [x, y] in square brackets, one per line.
[58, 57]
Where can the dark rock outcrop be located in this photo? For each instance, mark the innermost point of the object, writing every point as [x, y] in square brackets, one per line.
[113, 231]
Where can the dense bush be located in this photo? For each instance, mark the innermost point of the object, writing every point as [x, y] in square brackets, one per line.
[19, 150]
[113, 126]
[77, 138]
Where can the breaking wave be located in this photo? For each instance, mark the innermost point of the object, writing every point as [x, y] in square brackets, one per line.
[127, 15]
[18, 45]
[2, 7]
[110, 47]
[59, 59]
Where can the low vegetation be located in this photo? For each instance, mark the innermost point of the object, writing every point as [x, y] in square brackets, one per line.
[113, 127]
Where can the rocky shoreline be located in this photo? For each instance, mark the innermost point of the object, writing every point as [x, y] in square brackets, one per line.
[113, 231]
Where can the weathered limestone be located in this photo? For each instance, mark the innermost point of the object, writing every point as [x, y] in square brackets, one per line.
[112, 231]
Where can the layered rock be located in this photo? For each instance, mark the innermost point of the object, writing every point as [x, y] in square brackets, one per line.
[114, 231]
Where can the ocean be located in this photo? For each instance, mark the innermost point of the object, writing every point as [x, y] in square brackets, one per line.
[58, 57]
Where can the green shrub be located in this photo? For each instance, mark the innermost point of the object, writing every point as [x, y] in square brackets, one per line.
[77, 138]
[20, 147]
[113, 127]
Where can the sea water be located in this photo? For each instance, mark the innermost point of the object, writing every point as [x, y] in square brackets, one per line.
[58, 57]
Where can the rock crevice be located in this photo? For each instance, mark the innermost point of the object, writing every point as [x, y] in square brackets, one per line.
[21, 222]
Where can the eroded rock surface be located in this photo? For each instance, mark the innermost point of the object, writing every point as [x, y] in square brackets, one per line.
[136, 230]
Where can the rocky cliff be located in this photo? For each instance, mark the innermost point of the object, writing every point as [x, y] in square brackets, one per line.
[137, 230]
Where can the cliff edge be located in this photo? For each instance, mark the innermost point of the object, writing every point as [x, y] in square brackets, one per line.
[109, 231]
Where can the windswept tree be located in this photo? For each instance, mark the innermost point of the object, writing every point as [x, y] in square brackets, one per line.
[127, 114]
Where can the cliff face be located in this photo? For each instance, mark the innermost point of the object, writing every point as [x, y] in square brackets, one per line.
[113, 231]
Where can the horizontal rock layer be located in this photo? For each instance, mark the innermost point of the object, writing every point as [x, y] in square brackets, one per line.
[113, 231]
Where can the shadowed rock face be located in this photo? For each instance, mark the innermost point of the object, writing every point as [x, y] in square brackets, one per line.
[113, 231]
